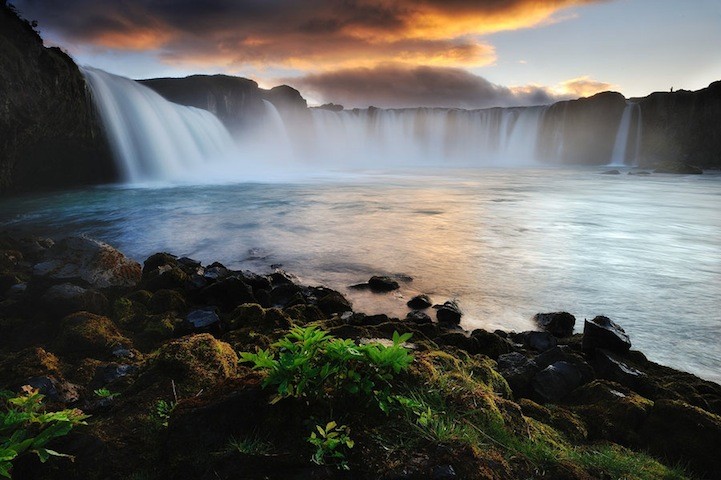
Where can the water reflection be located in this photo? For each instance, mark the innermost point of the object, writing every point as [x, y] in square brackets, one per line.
[506, 243]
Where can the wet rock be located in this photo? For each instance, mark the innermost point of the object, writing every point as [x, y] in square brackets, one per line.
[458, 340]
[84, 334]
[189, 263]
[642, 172]
[556, 381]
[334, 302]
[256, 282]
[158, 260]
[227, 293]
[449, 313]
[308, 313]
[95, 263]
[165, 277]
[286, 295]
[66, 298]
[110, 373]
[539, 341]
[204, 319]
[382, 284]
[602, 332]
[215, 271]
[558, 324]
[686, 434]
[419, 302]
[419, 317]
[612, 367]
[611, 172]
[122, 351]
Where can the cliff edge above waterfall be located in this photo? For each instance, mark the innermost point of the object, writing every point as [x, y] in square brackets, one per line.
[49, 136]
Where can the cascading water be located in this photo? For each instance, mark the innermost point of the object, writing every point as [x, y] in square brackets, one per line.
[620, 154]
[151, 138]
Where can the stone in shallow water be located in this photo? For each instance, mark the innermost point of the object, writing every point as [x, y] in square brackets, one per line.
[419, 317]
[602, 332]
[382, 284]
[449, 312]
[559, 324]
[419, 302]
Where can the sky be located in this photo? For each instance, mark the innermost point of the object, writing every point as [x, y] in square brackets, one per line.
[400, 53]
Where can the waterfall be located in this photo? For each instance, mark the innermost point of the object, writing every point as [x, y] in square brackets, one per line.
[619, 155]
[151, 138]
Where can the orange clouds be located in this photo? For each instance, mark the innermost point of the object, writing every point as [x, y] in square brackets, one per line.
[317, 35]
[582, 87]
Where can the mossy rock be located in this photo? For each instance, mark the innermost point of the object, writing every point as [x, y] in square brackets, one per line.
[17, 367]
[610, 411]
[304, 314]
[128, 313]
[166, 301]
[159, 327]
[683, 433]
[247, 315]
[194, 362]
[85, 334]
[559, 418]
[164, 277]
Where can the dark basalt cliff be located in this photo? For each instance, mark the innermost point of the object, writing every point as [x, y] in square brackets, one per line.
[49, 136]
[236, 101]
[682, 125]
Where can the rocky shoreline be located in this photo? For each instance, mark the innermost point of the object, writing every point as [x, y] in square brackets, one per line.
[160, 357]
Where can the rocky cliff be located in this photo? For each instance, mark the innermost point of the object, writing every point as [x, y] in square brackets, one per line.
[683, 126]
[49, 136]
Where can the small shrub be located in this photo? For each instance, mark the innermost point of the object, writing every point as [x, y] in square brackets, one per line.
[26, 427]
[308, 362]
[251, 445]
[105, 393]
[163, 411]
[331, 444]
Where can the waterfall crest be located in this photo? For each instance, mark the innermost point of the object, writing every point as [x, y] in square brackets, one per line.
[152, 138]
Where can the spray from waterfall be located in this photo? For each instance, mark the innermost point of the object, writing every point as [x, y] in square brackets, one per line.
[621, 154]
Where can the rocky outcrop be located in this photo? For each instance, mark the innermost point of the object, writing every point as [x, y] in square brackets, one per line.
[682, 126]
[49, 134]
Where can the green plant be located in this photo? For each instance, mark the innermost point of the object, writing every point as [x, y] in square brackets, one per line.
[26, 427]
[250, 445]
[308, 362]
[331, 444]
[163, 410]
[105, 393]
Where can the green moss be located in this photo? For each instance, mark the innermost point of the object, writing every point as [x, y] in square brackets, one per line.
[195, 362]
[159, 327]
[86, 334]
[614, 461]
[166, 301]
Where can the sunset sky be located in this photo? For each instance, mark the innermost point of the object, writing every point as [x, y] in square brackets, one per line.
[399, 53]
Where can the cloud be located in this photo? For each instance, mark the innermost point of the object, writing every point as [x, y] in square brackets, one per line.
[400, 86]
[582, 87]
[317, 35]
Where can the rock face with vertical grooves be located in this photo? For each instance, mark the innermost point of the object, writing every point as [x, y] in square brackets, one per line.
[49, 134]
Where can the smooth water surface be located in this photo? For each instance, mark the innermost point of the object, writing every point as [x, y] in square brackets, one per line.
[643, 250]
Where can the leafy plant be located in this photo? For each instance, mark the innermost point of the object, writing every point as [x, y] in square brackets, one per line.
[331, 444]
[163, 410]
[105, 393]
[308, 362]
[26, 427]
[250, 445]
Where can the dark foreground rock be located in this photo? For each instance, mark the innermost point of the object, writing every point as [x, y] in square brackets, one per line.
[602, 332]
[559, 324]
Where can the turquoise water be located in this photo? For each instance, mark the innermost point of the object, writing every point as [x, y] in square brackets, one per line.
[643, 250]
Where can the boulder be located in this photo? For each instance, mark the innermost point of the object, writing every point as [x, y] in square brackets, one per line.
[203, 319]
[166, 301]
[227, 293]
[382, 284]
[602, 332]
[194, 362]
[421, 318]
[612, 367]
[334, 302]
[55, 390]
[518, 370]
[419, 302]
[539, 341]
[85, 334]
[611, 172]
[449, 313]
[556, 381]
[96, 264]
[67, 298]
[558, 324]
[490, 344]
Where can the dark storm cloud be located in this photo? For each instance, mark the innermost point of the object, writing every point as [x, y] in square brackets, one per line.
[396, 86]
